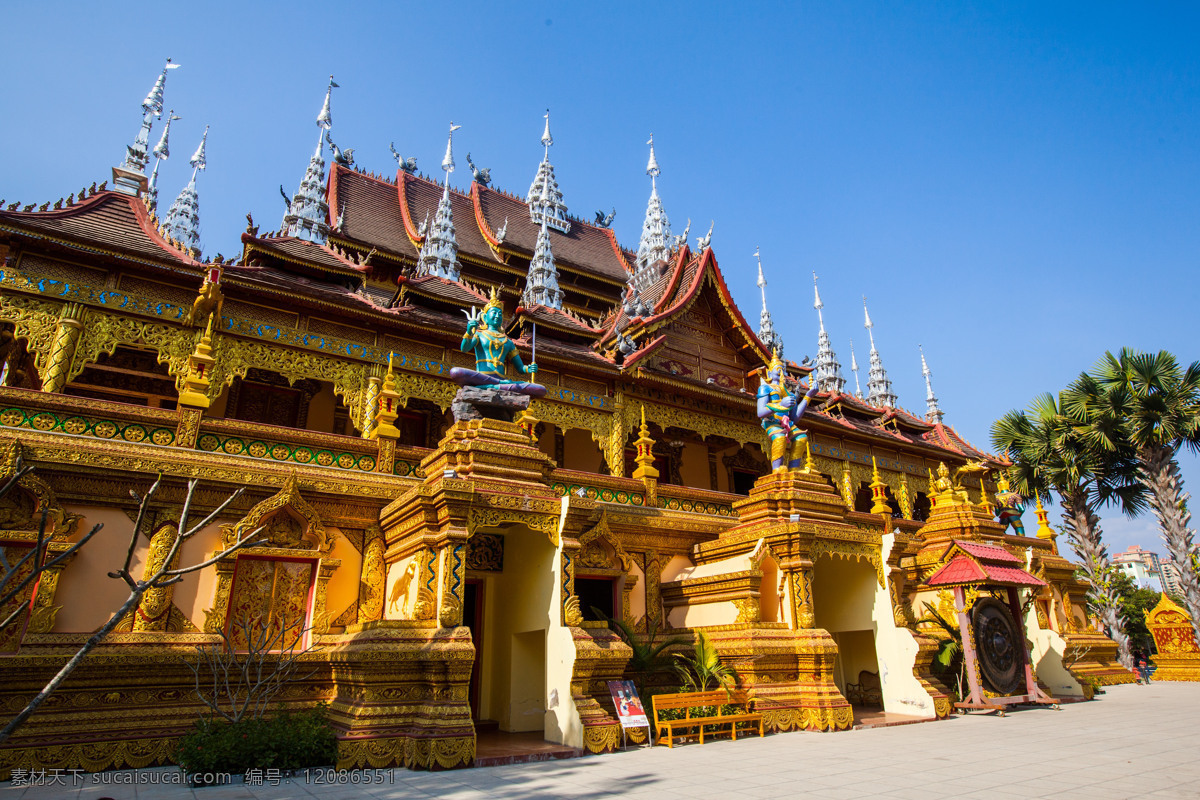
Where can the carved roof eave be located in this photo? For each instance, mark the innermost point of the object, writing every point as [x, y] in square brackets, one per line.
[701, 391]
[504, 252]
[681, 260]
[641, 353]
[252, 244]
[824, 424]
[173, 258]
[374, 316]
[708, 272]
[195, 269]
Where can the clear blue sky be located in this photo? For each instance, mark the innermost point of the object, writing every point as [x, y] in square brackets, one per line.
[1016, 186]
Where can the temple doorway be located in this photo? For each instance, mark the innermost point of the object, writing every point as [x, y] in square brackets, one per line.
[508, 612]
[843, 601]
[473, 621]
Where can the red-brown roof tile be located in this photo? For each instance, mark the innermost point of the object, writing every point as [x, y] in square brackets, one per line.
[370, 211]
[107, 220]
[587, 248]
[290, 248]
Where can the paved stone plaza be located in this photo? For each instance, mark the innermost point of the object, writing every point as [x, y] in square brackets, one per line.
[1135, 741]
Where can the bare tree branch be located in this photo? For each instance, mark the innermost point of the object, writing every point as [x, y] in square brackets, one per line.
[162, 576]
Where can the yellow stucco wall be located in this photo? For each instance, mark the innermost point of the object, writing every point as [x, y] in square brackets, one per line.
[342, 591]
[87, 596]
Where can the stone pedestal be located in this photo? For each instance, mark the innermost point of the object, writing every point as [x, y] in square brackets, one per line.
[475, 403]
[483, 449]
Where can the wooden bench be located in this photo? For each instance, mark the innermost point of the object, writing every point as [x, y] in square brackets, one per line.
[867, 692]
[698, 700]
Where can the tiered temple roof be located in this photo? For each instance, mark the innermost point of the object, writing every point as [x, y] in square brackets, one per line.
[367, 270]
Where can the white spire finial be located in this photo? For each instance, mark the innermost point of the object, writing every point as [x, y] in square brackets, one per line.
[933, 413]
[544, 199]
[325, 118]
[448, 160]
[827, 370]
[153, 104]
[652, 166]
[307, 216]
[879, 387]
[766, 326]
[182, 221]
[656, 239]
[541, 284]
[162, 150]
[125, 179]
[854, 369]
[547, 139]
[198, 160]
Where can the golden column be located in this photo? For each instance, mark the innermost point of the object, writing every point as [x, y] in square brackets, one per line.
[62, 350]
[382, 428]
[371, 401]
[802, 605]
[154, 611]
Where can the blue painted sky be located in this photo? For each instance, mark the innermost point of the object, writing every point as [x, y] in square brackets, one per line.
[1014, 186]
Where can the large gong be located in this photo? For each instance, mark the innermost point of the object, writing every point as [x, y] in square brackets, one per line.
[999, 646]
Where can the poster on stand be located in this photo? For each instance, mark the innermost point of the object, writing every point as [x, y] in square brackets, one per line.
[629, 706]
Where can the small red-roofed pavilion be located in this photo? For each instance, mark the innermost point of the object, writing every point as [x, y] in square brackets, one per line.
[993, 631]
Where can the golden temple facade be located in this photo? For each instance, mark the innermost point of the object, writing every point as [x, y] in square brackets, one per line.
[450, 571]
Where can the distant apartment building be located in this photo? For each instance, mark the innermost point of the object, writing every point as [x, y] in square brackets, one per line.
[1146, 569]
[1171, 578]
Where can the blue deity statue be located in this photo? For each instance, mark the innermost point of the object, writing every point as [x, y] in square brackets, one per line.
[494, 351]
[779, 411]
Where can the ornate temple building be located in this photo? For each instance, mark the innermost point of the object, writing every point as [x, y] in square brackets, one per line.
[450, 568]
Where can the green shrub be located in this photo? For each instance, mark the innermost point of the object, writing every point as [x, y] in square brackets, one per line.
[289, 740]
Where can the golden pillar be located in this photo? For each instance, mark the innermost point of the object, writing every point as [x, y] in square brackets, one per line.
[802, 604]
[374, 574]
[371, 403]
[905, 498]
[847, 487]
[614, 452]
[62, 350]
[154, 610]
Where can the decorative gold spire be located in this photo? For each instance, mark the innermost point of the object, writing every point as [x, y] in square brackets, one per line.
[390, 403]
[1044, 530]
[809, 466]
[195, 386]
[878, 491]
[645, 453]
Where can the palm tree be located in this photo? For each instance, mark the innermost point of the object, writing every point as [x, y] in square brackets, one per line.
[1049, 450]
[702, 668]
[649, 656]
[1160, 407]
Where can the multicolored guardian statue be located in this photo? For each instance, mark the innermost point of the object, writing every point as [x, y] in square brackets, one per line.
[494, 351]
[1009, 506]
[779, 411]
